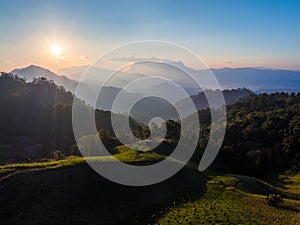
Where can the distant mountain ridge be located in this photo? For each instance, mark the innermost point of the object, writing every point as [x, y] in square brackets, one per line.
[256, 80]
[89, 89]
[165, 110]
[32, 71]
[230, 96]
[259, 80]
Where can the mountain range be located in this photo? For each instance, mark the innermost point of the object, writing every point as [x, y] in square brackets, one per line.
[257, 80]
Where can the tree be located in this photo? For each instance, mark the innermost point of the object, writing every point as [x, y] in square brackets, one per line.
[58, 155]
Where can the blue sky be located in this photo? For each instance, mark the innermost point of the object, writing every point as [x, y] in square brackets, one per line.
[224, 33]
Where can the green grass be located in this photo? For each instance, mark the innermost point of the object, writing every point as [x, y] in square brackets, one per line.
[49, 164]
[217, 206]
[228, 199]
[222, 203]
[291, 182]
[126, 155]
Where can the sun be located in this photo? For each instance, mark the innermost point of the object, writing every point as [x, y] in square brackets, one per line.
[56, 50]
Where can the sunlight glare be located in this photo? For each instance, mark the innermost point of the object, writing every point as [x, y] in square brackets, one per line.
[56, 50]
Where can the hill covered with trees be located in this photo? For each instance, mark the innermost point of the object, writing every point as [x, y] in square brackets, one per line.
[263, 131]
[36, 119]
[262, 135]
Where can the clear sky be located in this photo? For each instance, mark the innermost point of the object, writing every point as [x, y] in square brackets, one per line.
[227, 33]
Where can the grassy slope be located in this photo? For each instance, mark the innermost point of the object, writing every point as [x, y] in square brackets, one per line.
[68, 191]
[79, 196]
[224, 203]
[126, 155]
[289, 183]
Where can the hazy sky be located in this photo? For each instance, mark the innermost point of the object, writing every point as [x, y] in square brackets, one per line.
[224, 33]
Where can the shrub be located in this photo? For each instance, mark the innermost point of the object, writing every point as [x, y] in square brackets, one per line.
[58, 155]
[273, 200]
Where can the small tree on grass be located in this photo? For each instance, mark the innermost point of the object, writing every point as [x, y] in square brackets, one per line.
[58, 155]
[74, 150]
[273, 200]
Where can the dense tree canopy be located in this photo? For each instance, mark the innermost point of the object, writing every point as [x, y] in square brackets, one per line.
[263, 134]
[36, 119]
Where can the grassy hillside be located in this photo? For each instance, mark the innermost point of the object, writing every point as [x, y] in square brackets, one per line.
[291, 182]
[69, 192]
[223, 203]
[126, 155]
[78, 195]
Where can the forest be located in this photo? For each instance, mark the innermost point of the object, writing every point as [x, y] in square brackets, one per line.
[263, 131]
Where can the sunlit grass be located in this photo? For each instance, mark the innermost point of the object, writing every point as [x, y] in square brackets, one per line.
[71, 161]
[292, 182]
[126, 155]
[222, 203]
